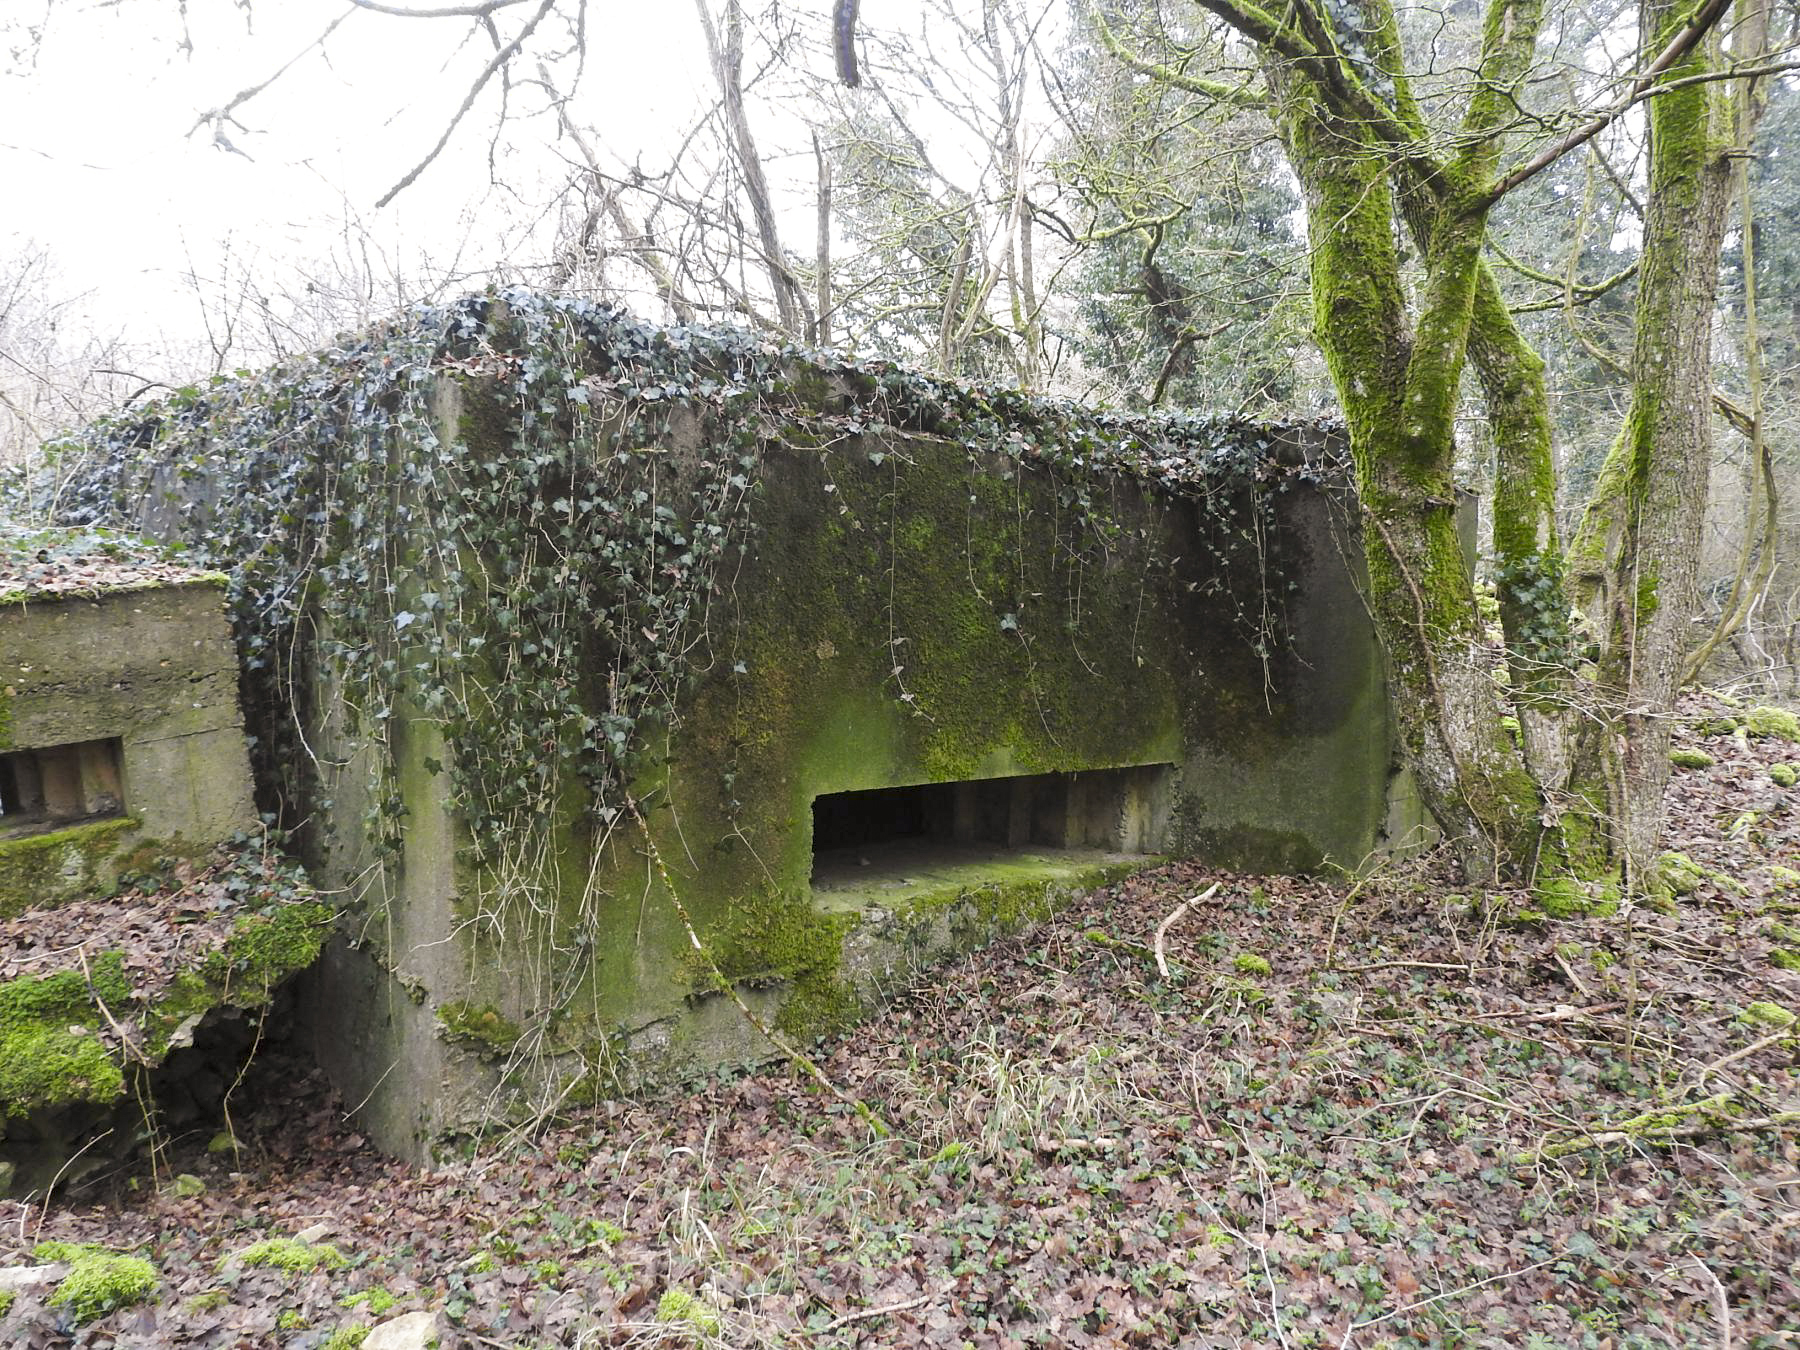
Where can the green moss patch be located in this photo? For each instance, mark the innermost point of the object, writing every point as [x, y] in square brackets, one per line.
[1678, 874]
[290, 1255]
[1772, 723]
[679, 1308]
[1690, 759]
[98, 1280]
[1768, 1014]
[1566, 897]
[480, 1026]
[42, 870]
[51, 1050]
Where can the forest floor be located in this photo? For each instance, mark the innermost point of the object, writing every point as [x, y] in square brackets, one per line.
[1351, 1115]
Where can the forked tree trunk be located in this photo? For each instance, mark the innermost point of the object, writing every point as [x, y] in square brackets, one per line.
[1582, 794]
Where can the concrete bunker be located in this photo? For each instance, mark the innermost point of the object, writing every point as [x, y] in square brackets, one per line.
[612, 634]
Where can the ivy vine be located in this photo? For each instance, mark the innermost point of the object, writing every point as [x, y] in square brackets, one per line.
[540, 577]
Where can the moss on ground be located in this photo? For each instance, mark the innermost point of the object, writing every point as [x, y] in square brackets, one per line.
[98, 1280]
[291, 1256]
[1767, 1013]
[679, 1308]
[1690, 759]
[1772, 723]
[1566, 897]
[1678, 874]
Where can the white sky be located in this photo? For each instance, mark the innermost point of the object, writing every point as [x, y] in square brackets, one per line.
[98, 163]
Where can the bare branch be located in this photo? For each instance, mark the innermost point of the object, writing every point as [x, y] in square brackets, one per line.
[1702, 21]
[501, 57]
[477, 11]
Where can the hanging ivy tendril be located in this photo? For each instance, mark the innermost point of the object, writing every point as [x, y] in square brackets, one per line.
[535, 567]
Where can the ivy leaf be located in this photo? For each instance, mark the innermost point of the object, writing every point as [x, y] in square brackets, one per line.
[404, 619]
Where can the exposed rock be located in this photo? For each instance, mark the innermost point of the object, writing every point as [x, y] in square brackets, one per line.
[15, 1278]
[410, 1331]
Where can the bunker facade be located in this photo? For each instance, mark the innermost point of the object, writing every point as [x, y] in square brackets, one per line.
[652, 693]
[119, 723]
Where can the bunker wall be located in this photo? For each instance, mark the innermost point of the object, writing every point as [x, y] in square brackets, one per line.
[907, 613]
[135, 694]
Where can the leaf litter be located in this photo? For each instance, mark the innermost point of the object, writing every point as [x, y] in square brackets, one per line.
[1439, 1118]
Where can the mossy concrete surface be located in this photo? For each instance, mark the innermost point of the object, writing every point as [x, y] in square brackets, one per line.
[909, 612]
[154, 667]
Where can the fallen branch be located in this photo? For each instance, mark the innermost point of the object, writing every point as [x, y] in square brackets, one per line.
[1162, 929]
[1689, 1120]
[864, 1315]
[1355, 1327]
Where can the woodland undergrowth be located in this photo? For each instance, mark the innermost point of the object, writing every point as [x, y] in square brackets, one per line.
[1351, 1114]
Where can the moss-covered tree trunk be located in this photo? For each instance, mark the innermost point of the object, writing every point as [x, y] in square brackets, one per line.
[1399, 379]
[1421, 591]
[1580, 791]
[1636, 556]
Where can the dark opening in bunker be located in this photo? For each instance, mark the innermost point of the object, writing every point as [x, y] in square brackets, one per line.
[58, 785]
[907, 835]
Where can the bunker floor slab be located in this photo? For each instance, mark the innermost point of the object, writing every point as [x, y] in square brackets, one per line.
[899, 873]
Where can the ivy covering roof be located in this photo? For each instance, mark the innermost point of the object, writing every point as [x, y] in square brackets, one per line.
[41, 563]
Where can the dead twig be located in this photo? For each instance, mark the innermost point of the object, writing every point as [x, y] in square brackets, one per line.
[1571, 976]
[1355, 1327]
[1721, 1305]
[864, 1315]
[1162, 929]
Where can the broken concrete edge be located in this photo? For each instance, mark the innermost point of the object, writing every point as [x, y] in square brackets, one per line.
[46, 564]
[75, 1038]
[23, 599]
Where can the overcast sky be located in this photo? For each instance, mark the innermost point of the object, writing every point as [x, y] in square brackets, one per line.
[99, 163]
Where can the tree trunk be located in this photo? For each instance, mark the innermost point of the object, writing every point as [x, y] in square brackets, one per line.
[1638, 549]
[1399, 395]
